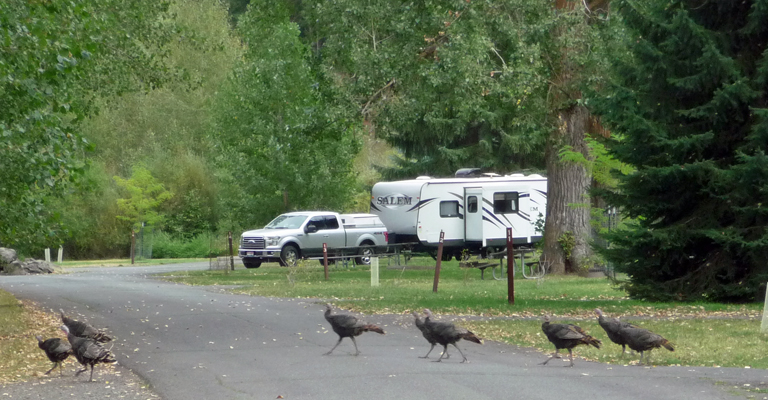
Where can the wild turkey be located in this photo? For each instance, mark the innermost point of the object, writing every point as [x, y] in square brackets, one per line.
[447, 333]
[611, 326]
[56, 349]
[88, 352]
[346, 325]
[639, 339]
[427, 333]
[82, 329]
[566, 336]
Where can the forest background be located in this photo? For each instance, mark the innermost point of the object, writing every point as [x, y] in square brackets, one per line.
[195, 118]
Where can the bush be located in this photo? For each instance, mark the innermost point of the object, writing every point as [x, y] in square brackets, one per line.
[165, 245]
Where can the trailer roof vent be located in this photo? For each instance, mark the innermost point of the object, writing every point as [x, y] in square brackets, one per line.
[465, 172]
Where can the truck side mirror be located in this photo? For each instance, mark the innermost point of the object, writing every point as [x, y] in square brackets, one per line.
[311, 228]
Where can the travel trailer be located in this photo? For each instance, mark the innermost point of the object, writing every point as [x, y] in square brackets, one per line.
[474, 212]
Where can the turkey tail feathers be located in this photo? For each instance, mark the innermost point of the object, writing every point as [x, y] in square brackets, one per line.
[102, 337]
[472, 337]
[592, 341]
[373, 328]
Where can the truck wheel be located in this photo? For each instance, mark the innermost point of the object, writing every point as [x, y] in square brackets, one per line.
[289, 256]
[366, 252]
[251, 264]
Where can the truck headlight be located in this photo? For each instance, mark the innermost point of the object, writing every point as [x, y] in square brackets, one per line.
[272, 240]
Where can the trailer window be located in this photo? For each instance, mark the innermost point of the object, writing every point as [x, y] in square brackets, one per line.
[505, 202]
[472, 204]
[449, 209]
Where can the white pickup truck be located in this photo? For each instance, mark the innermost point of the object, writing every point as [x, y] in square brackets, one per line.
[301, 234]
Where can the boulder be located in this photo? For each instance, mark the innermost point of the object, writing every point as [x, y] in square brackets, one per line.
[14, 268]
[7, 256]
[32, 266]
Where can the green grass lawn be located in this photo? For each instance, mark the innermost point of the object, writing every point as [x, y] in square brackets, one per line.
[706, 334]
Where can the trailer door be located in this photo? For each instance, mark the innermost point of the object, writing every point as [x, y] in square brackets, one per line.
[473, 214]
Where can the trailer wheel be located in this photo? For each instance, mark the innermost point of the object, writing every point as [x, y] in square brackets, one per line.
[251, 264]
[366, 252]
[289, 256]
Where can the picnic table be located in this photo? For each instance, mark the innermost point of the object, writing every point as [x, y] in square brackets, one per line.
[490, 262]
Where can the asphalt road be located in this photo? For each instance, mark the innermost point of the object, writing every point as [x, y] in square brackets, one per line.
[203, 343]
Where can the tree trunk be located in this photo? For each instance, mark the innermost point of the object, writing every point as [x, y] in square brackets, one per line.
[568, 204]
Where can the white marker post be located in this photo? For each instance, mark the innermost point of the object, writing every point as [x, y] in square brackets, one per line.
[61, 254]
[47, 254]
[374, 271]
[764, 324]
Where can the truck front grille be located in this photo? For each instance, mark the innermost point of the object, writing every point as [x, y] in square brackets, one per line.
[252, 243]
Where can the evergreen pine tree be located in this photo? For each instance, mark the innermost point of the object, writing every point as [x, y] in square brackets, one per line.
[689, 109]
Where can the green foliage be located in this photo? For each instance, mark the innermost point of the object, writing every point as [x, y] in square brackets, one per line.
[165, 245]
[89, 214]
[568, 242]
[690, 104]
[145, 195]
[166, 130]
[602, 165]
[56, 59]
[450, 84]
[284, 138]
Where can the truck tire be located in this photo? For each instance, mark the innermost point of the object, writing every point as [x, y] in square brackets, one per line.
[289, 256]
[366, 252]
[251, 264]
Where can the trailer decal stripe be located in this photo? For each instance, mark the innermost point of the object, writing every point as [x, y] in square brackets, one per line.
[420, 204]
[493, 223]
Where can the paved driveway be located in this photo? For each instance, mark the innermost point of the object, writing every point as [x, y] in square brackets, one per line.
[203, 343]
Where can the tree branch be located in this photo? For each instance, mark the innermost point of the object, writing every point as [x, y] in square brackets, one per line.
[375, 95]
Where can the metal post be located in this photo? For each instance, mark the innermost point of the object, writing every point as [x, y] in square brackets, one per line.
[133, 246]
[439, 259]
[325, 259]
[510, 269]
[231, 254]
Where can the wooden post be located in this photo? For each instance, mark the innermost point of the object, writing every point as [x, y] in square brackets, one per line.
[231, 254]
[325, 259]
[133, 246]
[439, 260]
[61, 254]
[510, 269]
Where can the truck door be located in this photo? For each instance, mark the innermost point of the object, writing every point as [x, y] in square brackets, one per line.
[334, 234]
[473, 214]
[313, 242]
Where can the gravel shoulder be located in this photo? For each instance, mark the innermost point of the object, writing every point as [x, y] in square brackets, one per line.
[109, 382]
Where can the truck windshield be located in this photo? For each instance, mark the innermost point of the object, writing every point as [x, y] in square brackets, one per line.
[287, 222]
